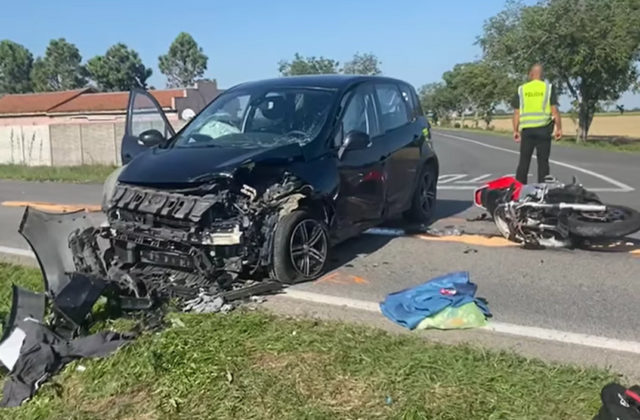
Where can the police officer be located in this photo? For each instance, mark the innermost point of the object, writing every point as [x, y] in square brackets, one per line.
[535, 111]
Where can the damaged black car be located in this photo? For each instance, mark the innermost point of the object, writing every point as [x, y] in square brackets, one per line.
[262, 183]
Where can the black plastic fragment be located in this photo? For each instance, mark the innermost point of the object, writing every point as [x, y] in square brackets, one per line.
[255, 289]
[77, 298]
[24, 304]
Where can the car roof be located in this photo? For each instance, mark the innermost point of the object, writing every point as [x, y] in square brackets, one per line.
[325, 81]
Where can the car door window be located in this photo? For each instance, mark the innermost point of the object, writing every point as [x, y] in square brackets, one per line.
[360, 114]
[393, 108]
[145, 114]
[410, 100]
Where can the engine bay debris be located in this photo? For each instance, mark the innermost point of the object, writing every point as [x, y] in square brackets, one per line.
[206, 248]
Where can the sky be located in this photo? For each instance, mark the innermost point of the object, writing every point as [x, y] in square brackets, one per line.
[416, 40]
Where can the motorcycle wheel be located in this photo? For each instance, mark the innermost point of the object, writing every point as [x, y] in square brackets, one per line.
[615, 222]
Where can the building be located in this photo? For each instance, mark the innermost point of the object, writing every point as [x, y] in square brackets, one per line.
[82, 127]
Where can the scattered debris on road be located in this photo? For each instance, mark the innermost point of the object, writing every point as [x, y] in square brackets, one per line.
[82, 261]
[482, 217]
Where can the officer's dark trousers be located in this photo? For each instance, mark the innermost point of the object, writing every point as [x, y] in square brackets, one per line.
[538, 138]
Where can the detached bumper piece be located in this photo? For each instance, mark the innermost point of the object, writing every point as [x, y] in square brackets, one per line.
[32, 348]
[158, 242]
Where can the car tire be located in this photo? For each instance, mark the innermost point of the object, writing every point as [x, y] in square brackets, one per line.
[300, 248]
[424, 197]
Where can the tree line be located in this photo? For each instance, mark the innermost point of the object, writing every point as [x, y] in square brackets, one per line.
[120, 68]
[589, 48]
[361, 63]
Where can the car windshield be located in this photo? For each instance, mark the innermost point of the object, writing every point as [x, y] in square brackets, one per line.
[259, 118]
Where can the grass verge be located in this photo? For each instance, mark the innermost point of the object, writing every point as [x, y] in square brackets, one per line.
[252, 365]
[73, 174]
[596, 143]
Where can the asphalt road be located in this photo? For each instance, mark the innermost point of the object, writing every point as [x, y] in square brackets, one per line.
[572, 291]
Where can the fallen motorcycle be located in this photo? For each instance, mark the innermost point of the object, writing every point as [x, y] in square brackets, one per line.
[553, 214]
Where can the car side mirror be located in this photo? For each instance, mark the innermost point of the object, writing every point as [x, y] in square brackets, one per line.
[354, 140]
[151, 138]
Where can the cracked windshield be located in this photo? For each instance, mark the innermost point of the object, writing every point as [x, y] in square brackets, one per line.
[259, 119]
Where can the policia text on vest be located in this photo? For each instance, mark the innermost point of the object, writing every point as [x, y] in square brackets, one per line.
[535, 111]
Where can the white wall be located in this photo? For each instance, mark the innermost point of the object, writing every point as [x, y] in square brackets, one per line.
[25, 145]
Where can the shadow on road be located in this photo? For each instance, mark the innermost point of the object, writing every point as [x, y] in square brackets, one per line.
[353, 248]
[368, 244]
[448, 208]
[610, 245]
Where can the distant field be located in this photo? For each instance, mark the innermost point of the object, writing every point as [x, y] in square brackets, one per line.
[627, 125]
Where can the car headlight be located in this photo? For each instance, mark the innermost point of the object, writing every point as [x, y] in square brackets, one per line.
[109, 187]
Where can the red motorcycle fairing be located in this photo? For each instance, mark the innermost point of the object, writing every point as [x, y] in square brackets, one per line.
[480, 195]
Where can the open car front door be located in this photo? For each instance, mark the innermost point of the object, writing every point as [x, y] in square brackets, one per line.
[143, 114]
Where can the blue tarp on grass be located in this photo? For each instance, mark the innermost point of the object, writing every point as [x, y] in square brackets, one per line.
[410, 306]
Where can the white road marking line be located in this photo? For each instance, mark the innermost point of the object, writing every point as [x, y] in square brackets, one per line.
[443, 179]
[476, 180]
[17, 252]
[621, 187]
[499, 327]
[545, 334]
[471, 188]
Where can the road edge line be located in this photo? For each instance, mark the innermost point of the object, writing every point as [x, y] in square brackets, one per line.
[545, 334]
[498, 327]
[17, 252]
[622, 187]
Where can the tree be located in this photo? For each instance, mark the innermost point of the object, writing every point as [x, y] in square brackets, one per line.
[184, 62]
[119, 69]
[478, 87]
[367, 64]
[591, 54]
[60, 69]
[438, 99]
[15, 66]
[308, 65]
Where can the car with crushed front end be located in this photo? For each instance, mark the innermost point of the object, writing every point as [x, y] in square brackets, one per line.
[265, 180]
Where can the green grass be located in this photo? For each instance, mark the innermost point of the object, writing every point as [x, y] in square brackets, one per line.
[568, 141]
[73, 174]
[252, 365]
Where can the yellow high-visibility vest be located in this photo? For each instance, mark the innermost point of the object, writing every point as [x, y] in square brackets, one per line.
[535, 104]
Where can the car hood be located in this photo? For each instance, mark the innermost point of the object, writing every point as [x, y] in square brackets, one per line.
[193, 165]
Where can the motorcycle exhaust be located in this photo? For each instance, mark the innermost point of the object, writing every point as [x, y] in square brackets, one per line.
[566, 206]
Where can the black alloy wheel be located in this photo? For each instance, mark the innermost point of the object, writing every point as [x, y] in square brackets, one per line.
[308, 248]
[301, 248]
[424, 198]
[427, 192]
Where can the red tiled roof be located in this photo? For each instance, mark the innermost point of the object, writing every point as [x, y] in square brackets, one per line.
[30, 103]
[81, 100]
[113, 101]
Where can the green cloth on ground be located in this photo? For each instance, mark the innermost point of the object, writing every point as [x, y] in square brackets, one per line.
[450, 318]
